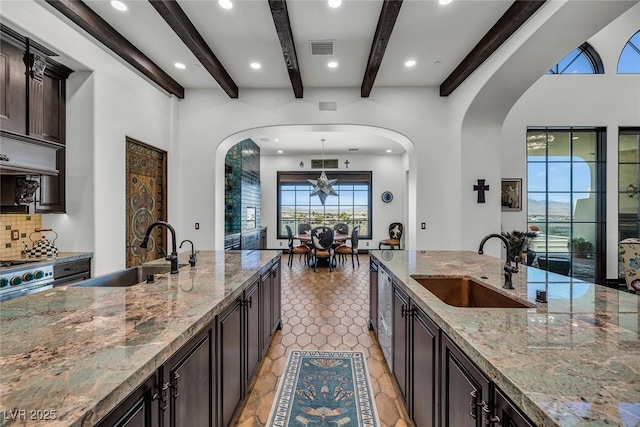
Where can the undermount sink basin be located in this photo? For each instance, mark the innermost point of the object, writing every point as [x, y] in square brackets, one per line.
[465, 292]
[128, 277]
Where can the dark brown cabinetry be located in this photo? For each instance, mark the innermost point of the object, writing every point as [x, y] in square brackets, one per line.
[505, 413]
[139, 409]
[400, 339]
[373, 296]
[253, 303]
[186, 394]
[33, 110]
[66, 273]
[230, 381]
[270, 288]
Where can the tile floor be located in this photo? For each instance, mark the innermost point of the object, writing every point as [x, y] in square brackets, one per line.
[326, 311]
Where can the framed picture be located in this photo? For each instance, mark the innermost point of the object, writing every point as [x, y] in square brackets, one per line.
[511, 194]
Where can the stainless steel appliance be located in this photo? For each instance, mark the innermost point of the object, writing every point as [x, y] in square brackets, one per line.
[23, 277]
[385, 320]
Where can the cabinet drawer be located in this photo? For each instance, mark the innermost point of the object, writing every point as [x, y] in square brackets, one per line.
[65, 269]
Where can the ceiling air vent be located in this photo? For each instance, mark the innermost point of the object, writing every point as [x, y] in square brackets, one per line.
[321, 47]
[327, 106]
[354, 149]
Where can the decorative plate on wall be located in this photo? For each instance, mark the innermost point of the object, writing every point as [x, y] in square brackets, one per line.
[387, 196]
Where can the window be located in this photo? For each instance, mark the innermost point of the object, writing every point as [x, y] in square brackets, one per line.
[565, 189]
[629, 62]
[352, 205]
[628, 181]
[583, 60]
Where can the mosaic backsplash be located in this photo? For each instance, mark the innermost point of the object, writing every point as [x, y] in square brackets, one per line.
[15, 229]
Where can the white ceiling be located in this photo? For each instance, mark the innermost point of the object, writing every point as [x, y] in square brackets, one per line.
[437, 37]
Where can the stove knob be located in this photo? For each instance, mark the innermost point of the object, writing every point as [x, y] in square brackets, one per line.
[27, 277]
[15, 280]
[3, 282]
[38, 274]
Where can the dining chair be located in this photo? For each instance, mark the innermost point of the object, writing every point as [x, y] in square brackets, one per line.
[395, 234]
[299, 249]
[344, 250]
[340, 228]
[322, 240]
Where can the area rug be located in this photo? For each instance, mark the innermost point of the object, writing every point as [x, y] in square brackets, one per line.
[324, 388]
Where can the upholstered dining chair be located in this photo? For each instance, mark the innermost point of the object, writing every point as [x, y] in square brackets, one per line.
[395, 234]
[299, 249]
[344, 250]
[340, 228]
[322, 240]
[303, 228]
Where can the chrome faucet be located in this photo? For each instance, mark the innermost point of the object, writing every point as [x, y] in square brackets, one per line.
[508, 268]
[192, 257]
[174, 251]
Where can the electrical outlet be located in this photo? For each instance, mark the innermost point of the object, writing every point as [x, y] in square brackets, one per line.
[423, 225]
[367, 243]
[280, 243]
[197, 226]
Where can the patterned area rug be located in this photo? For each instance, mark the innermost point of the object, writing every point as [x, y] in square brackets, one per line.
[324, 388]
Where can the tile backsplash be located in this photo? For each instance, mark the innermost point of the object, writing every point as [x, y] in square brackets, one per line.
[20, 225]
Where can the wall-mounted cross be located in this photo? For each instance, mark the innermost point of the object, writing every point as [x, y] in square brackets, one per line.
[346, 163]
[480, 188]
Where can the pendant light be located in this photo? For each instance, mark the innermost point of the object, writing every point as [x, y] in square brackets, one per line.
[323, 186]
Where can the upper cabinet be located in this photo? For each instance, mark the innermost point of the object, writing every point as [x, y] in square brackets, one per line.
[33, 111]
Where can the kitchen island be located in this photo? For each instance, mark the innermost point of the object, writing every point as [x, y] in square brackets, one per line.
[71, 354]
[573, 361]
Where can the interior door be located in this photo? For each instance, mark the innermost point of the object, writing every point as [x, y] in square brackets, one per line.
[146, 175]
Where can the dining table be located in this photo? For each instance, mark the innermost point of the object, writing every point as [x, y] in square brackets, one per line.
[305, 238]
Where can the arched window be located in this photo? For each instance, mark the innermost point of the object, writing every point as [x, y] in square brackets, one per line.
[629, 62]
[583, 60]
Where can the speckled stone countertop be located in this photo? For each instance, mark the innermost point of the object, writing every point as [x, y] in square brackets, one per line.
[574, 361]
[78, 351]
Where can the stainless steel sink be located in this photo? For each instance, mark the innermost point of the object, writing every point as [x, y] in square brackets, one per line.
[128, 277]
[465, 292]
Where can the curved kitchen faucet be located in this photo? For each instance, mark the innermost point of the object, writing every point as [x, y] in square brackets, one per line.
[174, 251]
[192, 257]
[508, 268]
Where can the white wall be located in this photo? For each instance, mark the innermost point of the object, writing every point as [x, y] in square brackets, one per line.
[608, 100]
[388, 175]
[106, 102]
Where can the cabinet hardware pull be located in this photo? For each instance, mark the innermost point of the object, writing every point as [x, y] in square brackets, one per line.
[487, 420]
[250, 301]
[473, 403]
[176, 385]
[4, 158]
[162, 396]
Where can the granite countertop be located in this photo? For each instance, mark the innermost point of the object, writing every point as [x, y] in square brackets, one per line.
[77, 352]
[574, 361]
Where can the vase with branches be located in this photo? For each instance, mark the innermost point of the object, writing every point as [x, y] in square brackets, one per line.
[520, 242]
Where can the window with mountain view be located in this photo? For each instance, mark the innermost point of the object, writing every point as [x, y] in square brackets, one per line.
[352, 205]
[565, 198]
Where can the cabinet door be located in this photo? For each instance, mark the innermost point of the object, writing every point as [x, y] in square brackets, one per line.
[276, 288]
[400, 337]
[229, 361]
[51, 194]
[266, 300]
[189, 376]
[373, 296]
[13, 86]
[252, 304]
[54, 105]
[464, 388]
[139, 409]
[507, 414]
[423, 378]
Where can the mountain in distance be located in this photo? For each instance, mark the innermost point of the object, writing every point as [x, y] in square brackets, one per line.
[537, 207]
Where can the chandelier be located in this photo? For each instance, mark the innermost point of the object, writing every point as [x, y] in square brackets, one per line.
[323, 186]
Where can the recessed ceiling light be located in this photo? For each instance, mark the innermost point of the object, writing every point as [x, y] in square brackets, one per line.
[410, 63]
[332, 64]
[255, 65]
[388, 151]
[335, 3]
[279, 151]
[444, 1]
[276, 140]
[119, 5]
[225, 4]
[180, 65]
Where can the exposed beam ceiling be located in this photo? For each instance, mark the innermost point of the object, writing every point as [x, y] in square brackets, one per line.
[519, 12]
[388, 16]
[173, 14]
[280, 16]
[83, 16]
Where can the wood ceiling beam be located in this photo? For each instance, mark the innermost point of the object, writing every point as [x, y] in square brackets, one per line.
[173, 14]
[280, 15]
[84, 17]
[517, 14]
[386, 22]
